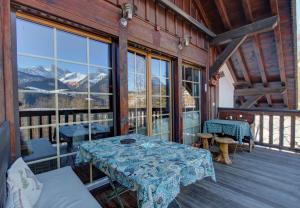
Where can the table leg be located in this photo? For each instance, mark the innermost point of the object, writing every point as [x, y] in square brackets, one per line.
[205, 143]
[116, 192]
[223, 157]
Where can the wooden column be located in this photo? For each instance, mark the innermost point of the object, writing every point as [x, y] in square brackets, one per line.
[8, 24]
[122, 83]
[177, 100]
[2, 98]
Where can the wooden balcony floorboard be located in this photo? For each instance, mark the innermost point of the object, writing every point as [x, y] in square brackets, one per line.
[264, 178]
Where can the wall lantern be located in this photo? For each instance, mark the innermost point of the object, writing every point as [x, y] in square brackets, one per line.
[184, 42]
[128, 10]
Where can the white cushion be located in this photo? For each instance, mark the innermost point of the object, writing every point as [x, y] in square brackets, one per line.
[21, 177]
[16, 198]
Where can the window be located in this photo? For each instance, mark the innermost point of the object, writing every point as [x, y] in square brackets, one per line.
[149, 95]
[191, 88]
[65, 93]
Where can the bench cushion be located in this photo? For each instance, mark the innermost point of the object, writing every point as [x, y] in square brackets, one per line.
[63, 189]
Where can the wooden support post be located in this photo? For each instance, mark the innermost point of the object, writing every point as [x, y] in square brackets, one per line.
[177, 99]
[122, 83]
[8, 18]
[225, 55]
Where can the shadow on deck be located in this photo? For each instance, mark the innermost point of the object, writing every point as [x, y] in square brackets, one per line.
[264, 178]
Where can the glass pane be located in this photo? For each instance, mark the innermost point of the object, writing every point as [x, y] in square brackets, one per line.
[101, 129]
[44, 166]
[141, 125]
[195, 75]
[165, 105]
[98, 115]
[165, 124]
[35, 39]
[72, 77]
[140, 64]
[164, 68]
[196, 90]
[131, 62]
[35, 102]
[188, 74]
[132, 125]
[99, 53]
[141, 106]
[156, 104]
[71, 101]
[164, 86]
[101, 101]
[35, 146]
[155, 65]
[35, 74]
[141, 84]
[71, 136]
[100, 80]
[131, 83]
[71, 47]
[155, 86]
[156, 125]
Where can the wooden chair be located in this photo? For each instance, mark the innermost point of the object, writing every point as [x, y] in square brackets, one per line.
[204, 137]
[223, 156]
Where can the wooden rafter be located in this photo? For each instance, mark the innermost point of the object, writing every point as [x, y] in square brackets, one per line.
[240, 58]
[278, 41]
[222, 10]
[225, 55]
[250, 29]
[251, 101]
[257, 48]
[259, 91]
[202, 12]
[187, 17]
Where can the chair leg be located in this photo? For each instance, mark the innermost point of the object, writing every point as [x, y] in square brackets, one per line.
[116, 192]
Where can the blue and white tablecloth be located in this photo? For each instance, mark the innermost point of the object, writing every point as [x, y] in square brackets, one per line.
[153, 167]
[238, 129]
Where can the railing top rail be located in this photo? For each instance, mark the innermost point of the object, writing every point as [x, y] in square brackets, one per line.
[263, 111]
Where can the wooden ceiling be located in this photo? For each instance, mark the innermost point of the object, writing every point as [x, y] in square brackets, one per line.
[265, 60]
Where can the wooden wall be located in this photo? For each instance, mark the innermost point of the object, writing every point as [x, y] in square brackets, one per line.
[154, 27]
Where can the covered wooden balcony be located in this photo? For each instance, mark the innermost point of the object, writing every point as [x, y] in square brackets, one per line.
[107, 103]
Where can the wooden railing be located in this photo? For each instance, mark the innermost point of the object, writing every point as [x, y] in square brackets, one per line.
[47, 118]
[274, 128]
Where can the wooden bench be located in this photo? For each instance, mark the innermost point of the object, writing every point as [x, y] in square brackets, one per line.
[61, 187]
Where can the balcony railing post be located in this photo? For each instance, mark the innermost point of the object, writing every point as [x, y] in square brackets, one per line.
[271, 129]
[261, 128]
[293, 131]
[281, 131]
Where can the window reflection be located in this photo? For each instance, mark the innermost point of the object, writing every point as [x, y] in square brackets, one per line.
[65, 97]
[71, 47]
[35, 74]
[191, 103]
[35, 39]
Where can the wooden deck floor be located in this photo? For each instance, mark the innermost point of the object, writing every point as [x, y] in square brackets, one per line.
[264, 178]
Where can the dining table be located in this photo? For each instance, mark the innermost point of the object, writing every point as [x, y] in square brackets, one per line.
[237, 129]
[156, 169]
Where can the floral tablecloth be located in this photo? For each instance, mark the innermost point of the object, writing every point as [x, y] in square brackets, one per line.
[238, 129]
[153, 167]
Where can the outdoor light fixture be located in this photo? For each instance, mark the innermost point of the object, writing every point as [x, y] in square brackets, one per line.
[128, 10]
[184, 42]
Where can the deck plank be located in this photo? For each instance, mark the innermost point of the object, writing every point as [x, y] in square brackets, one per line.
[264, 178]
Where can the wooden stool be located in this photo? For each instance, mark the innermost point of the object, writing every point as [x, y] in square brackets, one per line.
[223, 157]
[204, 137]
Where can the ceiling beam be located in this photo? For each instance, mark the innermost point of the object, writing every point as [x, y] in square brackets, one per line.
[187, 17]
[225, 55]
[251, 101]
[202, 12]
[259, 91]
[251, 29]
[222, 11]
[278, 42]
[243, 66]
[257, 48]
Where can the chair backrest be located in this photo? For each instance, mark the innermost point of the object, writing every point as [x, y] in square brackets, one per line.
[4, 161]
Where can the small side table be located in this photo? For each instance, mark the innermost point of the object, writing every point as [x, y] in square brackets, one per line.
[223, 157]
[204, 137]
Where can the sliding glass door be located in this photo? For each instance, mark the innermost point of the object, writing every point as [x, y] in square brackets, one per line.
[191, 91]
[149, 99]
[65, 91]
